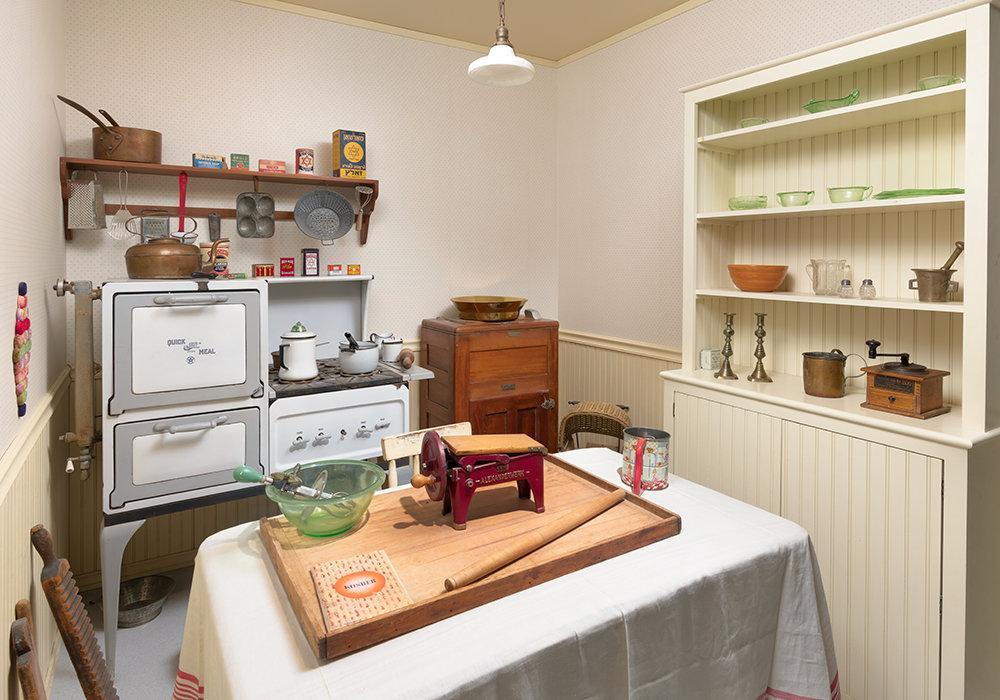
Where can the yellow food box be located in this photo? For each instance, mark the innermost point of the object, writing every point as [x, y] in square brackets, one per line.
[349, 154]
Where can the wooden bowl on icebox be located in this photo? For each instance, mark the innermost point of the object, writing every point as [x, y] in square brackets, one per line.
[758, 278]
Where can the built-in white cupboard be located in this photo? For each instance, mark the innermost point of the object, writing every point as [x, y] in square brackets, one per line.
[903, 513]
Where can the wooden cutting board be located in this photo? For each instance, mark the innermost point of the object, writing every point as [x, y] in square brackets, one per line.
[424, 550]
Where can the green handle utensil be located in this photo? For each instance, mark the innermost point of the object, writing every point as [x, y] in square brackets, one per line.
[248, 475]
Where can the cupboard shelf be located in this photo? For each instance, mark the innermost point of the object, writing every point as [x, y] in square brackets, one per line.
[953, 307]
[869, 206]
[914, 105]
[68, 165]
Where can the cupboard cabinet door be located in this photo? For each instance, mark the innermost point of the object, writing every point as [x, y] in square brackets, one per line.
[873, 513]
[728, 449]
[515, 414]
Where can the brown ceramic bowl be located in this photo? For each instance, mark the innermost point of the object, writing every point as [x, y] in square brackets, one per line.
[758, 278]
[486, 308]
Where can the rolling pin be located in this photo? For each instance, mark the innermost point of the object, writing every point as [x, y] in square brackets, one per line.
[533, 540]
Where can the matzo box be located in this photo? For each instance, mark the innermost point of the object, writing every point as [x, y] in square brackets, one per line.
[349, 154]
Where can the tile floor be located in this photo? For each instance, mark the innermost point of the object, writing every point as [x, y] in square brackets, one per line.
[147, 655]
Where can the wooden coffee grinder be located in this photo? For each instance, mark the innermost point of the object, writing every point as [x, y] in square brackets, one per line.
[903, 387]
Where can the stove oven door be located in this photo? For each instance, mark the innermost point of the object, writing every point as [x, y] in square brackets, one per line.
[184, 347]
[182, 455]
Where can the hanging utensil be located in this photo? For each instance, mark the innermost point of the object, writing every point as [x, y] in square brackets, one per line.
[325, 215]
[85, 208]
[117, 229]
[182, 185]
[368, 193]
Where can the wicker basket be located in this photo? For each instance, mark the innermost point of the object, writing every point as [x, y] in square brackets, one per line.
[595, 417]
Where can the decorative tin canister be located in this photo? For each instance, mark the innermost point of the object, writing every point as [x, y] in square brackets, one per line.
[644, 460]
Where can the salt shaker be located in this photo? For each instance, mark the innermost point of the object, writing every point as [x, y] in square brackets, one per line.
[866, 290]
[846, 290]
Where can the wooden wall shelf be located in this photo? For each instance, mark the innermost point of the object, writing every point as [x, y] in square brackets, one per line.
[68, 165]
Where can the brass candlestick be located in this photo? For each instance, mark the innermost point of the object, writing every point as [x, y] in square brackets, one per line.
[726, 371]
[759, 374]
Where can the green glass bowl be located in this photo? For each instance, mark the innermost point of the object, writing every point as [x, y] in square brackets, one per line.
[853, 193]
[936, 81]
[813, 106]
[799, 198]
[354, 482]
[756, 201]
[752, 121]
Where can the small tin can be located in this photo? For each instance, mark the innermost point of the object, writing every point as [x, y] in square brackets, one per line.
[287, 267]
[334, 269]
[354, 269]
[310, 262]
[711, 358]
[263, 270]
[305, 161]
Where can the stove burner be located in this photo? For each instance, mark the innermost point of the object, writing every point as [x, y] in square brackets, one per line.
[907, 369]
[332, 379]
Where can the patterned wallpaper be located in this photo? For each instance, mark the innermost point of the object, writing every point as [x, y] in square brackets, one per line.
[31, 65]
[466, 172]
[620, 125]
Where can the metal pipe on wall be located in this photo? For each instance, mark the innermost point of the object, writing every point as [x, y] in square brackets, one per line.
[84, 435]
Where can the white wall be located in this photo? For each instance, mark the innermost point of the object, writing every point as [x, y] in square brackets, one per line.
[619, 157]
[31, 237]
[466, 171]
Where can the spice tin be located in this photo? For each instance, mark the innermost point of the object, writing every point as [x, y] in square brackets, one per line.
[354, 269]
[271, 166]
[208, 160]
[287, 267]
[310, 262]
[305, 161]
[239, 161]
[220, 264]
[263, 270]
[333, 270]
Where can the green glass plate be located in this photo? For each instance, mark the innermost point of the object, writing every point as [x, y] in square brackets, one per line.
[900, 194]
[936, 81]
[814, 106]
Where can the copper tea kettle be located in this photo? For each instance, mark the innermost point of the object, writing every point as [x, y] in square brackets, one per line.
[165, 258]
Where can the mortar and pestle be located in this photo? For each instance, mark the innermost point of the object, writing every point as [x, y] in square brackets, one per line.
[935, 285]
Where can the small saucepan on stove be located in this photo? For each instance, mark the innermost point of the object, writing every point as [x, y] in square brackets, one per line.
[358, 357]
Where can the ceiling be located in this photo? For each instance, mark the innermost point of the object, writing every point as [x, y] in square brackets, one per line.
[549, 29]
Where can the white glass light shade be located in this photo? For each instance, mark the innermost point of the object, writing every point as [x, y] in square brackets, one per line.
[501, 66]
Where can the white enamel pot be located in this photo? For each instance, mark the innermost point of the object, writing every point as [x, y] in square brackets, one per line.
[358, 357]
[297, 356]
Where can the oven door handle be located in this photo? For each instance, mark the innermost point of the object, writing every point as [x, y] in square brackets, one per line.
[189, 427]
[189, 299]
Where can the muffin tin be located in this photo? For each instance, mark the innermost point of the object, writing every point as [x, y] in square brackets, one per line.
[255, 215]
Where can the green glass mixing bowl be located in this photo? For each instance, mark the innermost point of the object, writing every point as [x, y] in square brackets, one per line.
[352, 484]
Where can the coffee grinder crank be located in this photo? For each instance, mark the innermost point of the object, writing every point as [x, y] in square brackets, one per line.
[903, 388]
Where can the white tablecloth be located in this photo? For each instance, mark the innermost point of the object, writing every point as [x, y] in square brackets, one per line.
[732, 607]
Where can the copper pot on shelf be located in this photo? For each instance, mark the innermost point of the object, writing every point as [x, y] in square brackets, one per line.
[112, 141]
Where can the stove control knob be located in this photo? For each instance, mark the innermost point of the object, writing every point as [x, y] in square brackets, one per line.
[364, 432]
[343, 434]
[299, 442]
[382, 424]
[321, 438]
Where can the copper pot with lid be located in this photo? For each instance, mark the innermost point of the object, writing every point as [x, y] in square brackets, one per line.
[824, 373]
[165, 258]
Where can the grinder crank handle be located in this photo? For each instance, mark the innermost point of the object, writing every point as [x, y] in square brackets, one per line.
[419, 481]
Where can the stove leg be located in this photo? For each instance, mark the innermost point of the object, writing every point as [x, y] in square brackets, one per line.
[114, 539]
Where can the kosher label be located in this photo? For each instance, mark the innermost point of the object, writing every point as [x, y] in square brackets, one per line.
[360, 584]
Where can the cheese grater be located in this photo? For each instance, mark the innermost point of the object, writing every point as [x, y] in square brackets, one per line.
[85, 209]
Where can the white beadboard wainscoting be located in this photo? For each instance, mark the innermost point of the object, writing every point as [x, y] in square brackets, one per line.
[32, 491]
[166, 542]
[599, 368]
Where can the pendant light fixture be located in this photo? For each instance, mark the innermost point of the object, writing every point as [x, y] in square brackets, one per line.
[501, 66]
